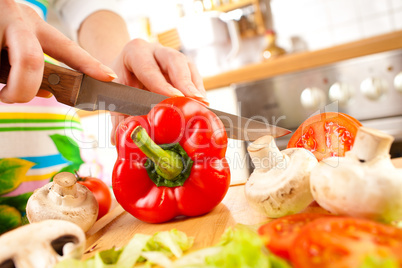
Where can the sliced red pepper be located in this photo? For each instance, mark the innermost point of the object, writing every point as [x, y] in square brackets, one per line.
[171, 162]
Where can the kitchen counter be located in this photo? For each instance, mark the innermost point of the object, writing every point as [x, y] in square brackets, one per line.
[118, 227]
[305, 60]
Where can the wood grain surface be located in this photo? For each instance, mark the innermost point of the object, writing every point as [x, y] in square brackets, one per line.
[63, 83]
[118, 227]
[305, 60]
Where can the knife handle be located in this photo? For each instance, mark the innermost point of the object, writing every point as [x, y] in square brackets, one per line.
[63, 83]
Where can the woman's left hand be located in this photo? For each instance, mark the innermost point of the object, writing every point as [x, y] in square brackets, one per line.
[159, 69]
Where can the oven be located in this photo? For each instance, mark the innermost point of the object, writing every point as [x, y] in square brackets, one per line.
[368, 88]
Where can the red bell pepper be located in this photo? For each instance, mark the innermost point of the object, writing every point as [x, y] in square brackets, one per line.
[171, 162]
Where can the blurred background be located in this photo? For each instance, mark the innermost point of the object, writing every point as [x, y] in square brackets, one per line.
[221, 36]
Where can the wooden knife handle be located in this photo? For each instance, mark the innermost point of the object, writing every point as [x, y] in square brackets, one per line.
[63, 83]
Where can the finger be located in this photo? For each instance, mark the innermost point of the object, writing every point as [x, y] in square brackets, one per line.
[27, 63]
[197, 79]
[58, 46]
[175, 64]
[198, 82]
[44, 93]
[139, 59]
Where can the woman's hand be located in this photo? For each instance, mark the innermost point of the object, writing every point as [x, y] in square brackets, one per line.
[26, 37]
[159, 69]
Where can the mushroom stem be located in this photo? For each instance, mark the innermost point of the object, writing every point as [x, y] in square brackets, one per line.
[264, 153]
[370, 143]
[65, 184]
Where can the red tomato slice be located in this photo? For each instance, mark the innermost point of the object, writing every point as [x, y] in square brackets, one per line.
[344, 242]
[326, 134]
[279, 235]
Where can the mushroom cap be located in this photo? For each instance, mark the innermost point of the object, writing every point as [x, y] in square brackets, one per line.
[285, 188]
[80, 208]
[42, 244]
[345, 186]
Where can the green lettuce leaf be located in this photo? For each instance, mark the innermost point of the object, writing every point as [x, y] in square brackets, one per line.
[140, 248]
[131, 253]
[239, 247]
[373, 261]
[156, 258]
[242, 247]
[173, 242]
[110, 256]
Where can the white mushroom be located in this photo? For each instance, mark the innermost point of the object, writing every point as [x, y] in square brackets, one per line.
[63, 199]
[279, 185]
[41, 245]
[364, 183]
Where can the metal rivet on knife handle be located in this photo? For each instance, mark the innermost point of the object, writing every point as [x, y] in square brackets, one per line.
[54, 79]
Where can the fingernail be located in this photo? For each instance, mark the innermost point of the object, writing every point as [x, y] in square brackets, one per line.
[196, 93]
[176, 92]
[199, 95]
[44, 94]
[108, 71]
[203, 100]
[48, 96]
[203, 92]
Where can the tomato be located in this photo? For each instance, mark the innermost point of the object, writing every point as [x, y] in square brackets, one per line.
[101, 192]
[344, 242]
[326, 134]
[279, 235]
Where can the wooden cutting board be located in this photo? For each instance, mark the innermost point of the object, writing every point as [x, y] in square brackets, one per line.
[118, 227]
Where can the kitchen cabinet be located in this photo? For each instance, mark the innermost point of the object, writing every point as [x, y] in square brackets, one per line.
[301, 61]
[250, 24]
[254, 21]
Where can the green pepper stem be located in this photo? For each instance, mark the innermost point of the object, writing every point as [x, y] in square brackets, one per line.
[168, 164]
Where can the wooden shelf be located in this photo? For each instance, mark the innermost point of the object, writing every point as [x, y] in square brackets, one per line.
[234, 5]
[306, 60]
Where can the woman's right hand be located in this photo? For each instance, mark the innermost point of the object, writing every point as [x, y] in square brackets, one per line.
[26, 37]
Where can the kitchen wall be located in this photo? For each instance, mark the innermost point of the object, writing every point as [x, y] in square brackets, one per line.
[325, 23]
[311, 24]
[300, 24]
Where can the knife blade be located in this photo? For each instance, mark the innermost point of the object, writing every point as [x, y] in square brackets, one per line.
[83, 92]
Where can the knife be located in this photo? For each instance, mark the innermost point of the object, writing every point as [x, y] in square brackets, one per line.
[83, 92]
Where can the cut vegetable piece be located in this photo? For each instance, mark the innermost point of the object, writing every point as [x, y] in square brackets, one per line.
[345, 242]
[63, 199]
[326, 134]
[279, 235]
[362, 184]
[280, 183]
